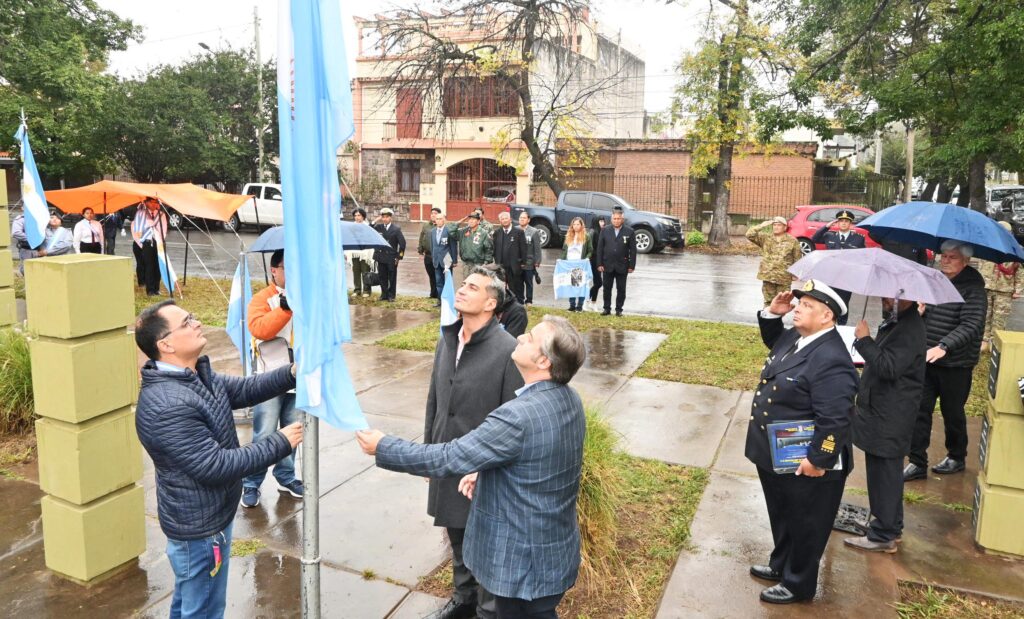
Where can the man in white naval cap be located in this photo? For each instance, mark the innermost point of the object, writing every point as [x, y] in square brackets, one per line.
[808, 376]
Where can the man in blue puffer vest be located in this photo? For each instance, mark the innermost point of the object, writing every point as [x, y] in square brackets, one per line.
[184, 421]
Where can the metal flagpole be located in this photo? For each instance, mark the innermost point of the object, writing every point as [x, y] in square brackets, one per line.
[310, 517]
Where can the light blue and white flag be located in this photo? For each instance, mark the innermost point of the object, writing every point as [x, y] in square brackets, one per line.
[572, 279]
[238, 313]
[315, 119]
[32, 196]
[448, 313]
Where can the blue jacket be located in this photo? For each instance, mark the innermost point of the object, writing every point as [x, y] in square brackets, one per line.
[522, 539]
[449, 245]
[184, 421]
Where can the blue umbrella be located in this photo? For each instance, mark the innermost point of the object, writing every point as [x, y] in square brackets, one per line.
[353, 236]
[929, 224]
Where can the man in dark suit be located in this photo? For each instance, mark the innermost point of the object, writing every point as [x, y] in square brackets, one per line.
[809, 376]
[510, 252]
[387, 258]
[473, 351]
[616, 259]
[844, 237]
[522, 541]
[444, 242]
[883, 422]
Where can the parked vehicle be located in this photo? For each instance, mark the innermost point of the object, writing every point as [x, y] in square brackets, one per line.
[994, 195]
[653, 231]
[810, 218]
[266, 210]
[500, 193]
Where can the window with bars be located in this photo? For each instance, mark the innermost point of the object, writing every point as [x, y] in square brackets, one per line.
[407, 175]
[467, 97]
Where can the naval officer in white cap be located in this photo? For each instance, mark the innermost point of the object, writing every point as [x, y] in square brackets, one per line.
[808, 376]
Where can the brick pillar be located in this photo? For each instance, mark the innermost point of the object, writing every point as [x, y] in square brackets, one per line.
[999, 495]
[8, 310]
[85, 380]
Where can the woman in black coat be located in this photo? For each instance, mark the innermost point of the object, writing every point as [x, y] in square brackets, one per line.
[883, 423]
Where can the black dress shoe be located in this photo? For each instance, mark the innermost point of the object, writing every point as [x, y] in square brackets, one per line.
[947, 466]
[606, 313]
[779, 594]
[765, 572]
[913, 472]
[454, 609]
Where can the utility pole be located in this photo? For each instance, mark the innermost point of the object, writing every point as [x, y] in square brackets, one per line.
[878, 152]
[259, 94]
[909, 184]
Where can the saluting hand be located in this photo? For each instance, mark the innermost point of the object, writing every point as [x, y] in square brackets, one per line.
[781, 304]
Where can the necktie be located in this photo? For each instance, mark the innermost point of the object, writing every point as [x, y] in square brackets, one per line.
[789, 351]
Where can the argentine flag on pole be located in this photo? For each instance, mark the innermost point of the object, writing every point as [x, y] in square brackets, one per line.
[32, 197]
[315, 120]
[448, 313]
[238, 321]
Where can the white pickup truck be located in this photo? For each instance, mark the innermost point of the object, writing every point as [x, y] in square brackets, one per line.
[268, 209]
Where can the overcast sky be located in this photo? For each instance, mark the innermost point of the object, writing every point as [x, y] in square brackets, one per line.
[173, 30]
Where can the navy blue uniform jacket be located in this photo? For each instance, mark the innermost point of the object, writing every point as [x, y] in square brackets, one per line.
[818, 382]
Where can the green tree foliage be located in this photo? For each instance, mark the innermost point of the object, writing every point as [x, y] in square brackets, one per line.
[52, 54]
[196, 122]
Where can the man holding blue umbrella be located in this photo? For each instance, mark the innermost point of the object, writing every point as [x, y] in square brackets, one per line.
[953, 333]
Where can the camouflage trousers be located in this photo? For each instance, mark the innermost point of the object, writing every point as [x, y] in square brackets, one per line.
[770, 289]
[997, 313]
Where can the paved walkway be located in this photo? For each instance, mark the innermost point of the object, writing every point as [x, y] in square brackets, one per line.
[377, 540]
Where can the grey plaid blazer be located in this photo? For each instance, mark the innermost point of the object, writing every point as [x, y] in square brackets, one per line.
[522, 539]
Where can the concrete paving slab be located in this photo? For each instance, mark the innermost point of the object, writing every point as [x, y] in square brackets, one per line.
[370, 366]
[372, 322]
[378, 521]
[596, 386]
[267, 584]
[672, 422]
[730, 456]
[21, 527]
[405, 397]
[417, 605]
[618, 351]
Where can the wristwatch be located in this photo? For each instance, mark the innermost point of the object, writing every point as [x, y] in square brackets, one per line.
[943, 346]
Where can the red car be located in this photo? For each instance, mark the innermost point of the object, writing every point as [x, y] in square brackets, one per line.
[809, 219]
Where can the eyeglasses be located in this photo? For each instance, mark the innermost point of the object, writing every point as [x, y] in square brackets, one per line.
[190, 321]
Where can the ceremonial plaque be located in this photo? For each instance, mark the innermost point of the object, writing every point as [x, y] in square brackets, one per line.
[789, 442]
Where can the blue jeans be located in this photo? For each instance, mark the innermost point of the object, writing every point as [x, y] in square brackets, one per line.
[528, 285]
[575, 302]
[196, 593]
[267, 417]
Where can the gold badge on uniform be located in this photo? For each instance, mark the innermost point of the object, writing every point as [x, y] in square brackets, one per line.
[829, 444]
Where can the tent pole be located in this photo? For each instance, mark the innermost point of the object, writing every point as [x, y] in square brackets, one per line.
[184, 278]
[263, 256]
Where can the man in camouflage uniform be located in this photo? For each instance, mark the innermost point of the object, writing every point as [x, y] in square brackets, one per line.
[475, 244]
[1003, 283]
[779, 251]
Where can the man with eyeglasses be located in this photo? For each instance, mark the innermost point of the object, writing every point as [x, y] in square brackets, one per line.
[184, 421]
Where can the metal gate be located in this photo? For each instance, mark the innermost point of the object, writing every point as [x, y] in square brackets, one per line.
[483, 183]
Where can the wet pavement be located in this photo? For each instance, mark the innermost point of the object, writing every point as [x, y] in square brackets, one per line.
[377, 541]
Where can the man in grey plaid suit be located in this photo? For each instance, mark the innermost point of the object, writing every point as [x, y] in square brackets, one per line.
[522, 541]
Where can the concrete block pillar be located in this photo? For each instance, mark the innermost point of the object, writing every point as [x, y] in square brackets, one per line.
[8, 309]
[999, 495]
[85, 380]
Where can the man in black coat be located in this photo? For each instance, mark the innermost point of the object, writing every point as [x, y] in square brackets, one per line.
[510, 252]
[954, 332]
[387, 258]
[616, 259]
[890, 390]
[473, 375]
[845, 237]
[809, 376]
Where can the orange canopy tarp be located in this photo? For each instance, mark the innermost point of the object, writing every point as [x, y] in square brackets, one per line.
[109, 196]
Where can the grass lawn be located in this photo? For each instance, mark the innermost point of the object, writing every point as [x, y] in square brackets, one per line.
[927, 602]
[654, 526]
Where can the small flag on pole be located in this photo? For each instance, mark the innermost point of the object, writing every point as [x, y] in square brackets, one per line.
[238, 320]
[36, 214]
[448, 313]
[167, 273]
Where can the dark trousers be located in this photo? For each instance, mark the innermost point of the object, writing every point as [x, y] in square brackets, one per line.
[801, 511]
[516, 608]
[619, 280]
[388, 270]
[109, 241]
[467, 589]
[90, 248]
[885, 495]
[439, 279]
[950, 386]
[528, 286]
[428, 266]
[845, 296]
[515, 282]
[147, 266]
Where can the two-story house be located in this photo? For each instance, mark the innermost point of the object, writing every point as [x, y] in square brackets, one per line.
[439, 148]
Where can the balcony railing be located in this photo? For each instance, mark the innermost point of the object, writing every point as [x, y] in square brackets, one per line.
[404, 131]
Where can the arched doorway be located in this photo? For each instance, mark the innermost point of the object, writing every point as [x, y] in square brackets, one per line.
[484, 183]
